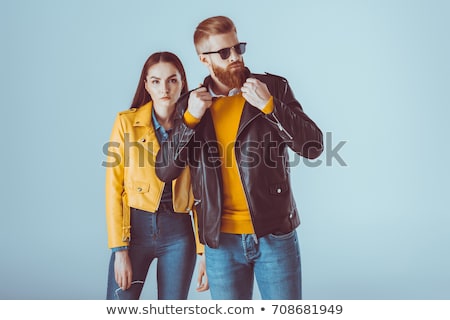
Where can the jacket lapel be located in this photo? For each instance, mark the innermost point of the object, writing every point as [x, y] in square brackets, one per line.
[248, 115]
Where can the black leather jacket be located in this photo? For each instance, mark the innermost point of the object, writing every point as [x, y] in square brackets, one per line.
[261, 154]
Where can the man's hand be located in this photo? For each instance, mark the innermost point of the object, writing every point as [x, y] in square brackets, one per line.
[199, 100]
[202, 279]
[256, 93]
[122, 269]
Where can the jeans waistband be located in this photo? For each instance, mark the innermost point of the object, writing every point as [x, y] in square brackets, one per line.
[164, 207]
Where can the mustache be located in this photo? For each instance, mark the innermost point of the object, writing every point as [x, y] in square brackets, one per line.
[236, 64]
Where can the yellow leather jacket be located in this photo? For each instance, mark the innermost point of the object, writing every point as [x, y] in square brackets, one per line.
[131, 180]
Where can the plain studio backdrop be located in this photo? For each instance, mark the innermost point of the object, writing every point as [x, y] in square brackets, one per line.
[374, 75]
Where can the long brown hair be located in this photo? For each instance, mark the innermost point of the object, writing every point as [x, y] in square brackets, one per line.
[141, 96]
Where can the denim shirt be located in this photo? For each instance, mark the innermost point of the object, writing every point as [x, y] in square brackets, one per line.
[161, 133]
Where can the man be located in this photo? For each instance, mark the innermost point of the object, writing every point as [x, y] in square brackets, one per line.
[233, 132]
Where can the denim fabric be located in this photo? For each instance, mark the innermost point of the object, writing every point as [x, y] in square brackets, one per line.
[273, 260]
[169, 238]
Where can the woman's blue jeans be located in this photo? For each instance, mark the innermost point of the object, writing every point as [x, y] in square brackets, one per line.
[167, 237]
[273, 260]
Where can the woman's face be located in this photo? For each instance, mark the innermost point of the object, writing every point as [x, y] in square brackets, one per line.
[164, 84]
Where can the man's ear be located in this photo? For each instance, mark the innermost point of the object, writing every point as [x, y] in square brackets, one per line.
[204, 59]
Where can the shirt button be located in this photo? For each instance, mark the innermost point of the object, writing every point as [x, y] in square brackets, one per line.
[139, 189]
[279, 190]
[143, 140]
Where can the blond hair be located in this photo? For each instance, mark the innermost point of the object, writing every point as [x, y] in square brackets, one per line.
[212, 26]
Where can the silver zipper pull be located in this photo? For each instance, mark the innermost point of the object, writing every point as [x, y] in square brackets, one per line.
[281, 127]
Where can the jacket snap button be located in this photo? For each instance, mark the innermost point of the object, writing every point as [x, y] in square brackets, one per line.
[139, 189]
[143, 140]
[279, 190]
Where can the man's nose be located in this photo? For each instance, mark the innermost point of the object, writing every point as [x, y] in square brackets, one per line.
[234, 56]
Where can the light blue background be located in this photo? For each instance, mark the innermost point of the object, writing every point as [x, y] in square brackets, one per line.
[375, 74]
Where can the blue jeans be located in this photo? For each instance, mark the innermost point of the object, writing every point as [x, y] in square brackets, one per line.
[168, 237]
[274, 260]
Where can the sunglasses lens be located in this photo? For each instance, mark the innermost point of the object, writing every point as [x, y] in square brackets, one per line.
[240, 48]
[224, 53]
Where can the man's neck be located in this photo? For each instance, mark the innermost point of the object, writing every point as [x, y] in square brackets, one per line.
[219, 88]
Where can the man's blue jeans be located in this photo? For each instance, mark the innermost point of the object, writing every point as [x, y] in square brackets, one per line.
[167, 237]
[274, 260]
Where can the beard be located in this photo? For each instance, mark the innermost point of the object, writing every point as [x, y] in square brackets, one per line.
[233, 76]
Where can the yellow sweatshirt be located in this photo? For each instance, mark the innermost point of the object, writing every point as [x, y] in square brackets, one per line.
[226, 114]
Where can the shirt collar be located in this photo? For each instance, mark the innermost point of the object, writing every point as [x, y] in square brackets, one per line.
[232, 92]
[155, 121]
[158, 127]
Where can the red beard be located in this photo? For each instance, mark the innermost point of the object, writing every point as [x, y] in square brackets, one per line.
[233, 76]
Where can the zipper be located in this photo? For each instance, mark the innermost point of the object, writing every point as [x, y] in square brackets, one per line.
[184, 144]
[245, 191]
[282, 129]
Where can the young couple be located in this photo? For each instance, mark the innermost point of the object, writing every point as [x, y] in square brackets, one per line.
[206, 172]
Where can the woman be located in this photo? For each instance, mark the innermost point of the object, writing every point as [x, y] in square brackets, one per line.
[147, 219]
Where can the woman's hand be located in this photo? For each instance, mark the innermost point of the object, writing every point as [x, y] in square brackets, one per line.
[122, 269]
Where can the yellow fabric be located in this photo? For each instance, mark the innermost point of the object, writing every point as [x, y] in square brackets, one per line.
[190, 120]
[226, 114]
[131, 180]
[269, 106]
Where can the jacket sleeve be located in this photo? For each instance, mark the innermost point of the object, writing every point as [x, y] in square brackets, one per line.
[116, 203]
[301, 133]
[173, 154]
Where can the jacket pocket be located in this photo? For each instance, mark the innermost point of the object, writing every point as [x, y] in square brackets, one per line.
[139, 187]
[282, 236]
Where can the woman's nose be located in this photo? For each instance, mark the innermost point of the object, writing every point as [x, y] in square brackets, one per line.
[165, 88]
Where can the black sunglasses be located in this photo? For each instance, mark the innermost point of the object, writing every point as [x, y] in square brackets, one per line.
[225, 52]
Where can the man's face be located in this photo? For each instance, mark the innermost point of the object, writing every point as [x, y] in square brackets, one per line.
[229, 71]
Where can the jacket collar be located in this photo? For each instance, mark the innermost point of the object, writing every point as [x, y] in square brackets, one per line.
[144, 115]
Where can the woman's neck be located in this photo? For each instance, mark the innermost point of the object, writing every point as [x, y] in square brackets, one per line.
[164, 116]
